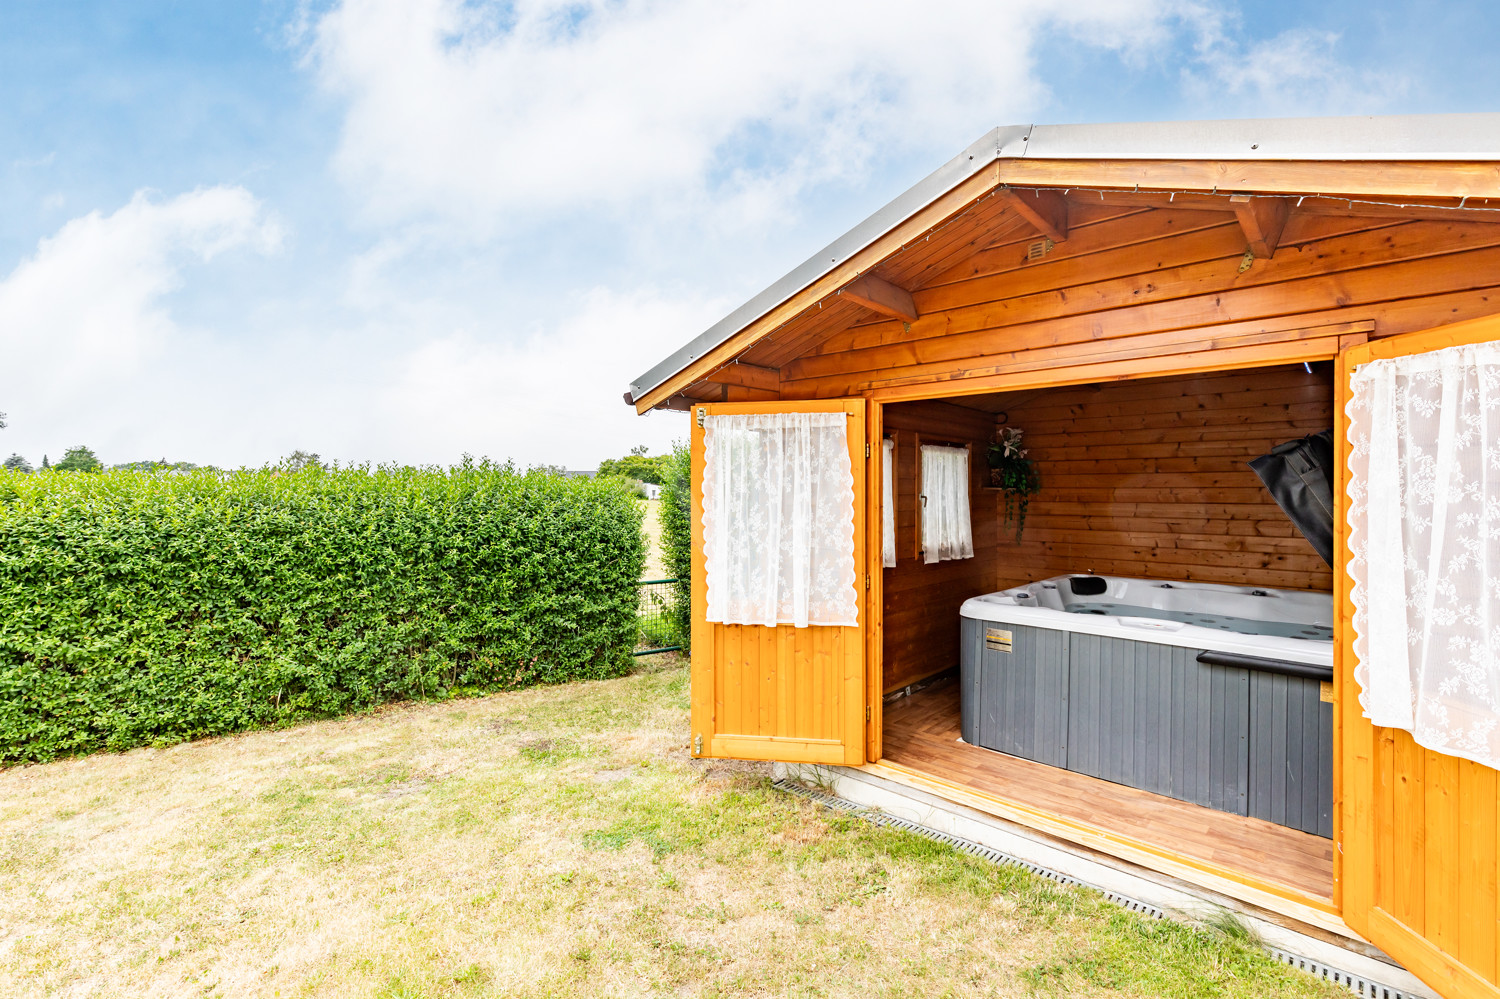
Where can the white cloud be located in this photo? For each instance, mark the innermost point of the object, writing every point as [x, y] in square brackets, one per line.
[96, 353]
[492, 113]
[553, 398]
[1297, 72]
[87, 311]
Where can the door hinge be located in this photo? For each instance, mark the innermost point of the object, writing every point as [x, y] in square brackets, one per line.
[698, 746]
[702, 412]
[867, 580]
[867, 712]
[867, 450]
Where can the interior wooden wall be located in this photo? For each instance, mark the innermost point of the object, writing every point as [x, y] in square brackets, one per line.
[921, 601]
[1139, 478]
[1150, 478]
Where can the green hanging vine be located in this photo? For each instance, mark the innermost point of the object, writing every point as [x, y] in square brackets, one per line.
[1015, 474]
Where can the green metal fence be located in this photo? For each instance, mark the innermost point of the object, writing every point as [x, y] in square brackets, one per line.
[657, 598]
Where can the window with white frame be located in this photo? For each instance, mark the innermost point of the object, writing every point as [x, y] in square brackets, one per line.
[1424, 546]
[947, 532]
[778, 519]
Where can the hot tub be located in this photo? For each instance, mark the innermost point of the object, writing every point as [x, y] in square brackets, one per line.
[1218, 695]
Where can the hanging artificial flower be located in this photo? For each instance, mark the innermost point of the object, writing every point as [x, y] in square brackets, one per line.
[1015, 474]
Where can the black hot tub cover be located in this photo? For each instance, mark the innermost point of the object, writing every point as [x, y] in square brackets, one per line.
[1299, 475]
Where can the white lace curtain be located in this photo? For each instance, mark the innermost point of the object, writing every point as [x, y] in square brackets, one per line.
[888, 503]
[946, 530]
[1424, 519]
[778, 519]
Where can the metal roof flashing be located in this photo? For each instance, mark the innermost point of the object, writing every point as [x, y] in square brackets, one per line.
[1434, 138]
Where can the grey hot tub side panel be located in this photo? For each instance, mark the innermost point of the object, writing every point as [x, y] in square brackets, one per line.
[1291, 753]
[970, 658]
[1023, 694]
[1151, 716]
[1229, 737]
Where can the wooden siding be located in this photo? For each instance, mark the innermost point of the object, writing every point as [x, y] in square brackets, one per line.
[1150, 478]
[1420, 831]
[921, 601]
[783, 693]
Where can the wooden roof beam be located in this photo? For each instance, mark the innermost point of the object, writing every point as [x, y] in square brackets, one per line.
[747, 375]
[1262, 220]
[881, 296]
[1046, 210]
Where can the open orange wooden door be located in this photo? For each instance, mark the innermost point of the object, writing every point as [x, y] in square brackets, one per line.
[797, 695]
[1417, 832]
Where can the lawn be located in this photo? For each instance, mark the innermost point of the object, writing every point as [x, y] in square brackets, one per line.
[553, 842]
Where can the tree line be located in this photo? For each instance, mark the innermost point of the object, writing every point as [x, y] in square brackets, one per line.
[83, 459]
[637, 465]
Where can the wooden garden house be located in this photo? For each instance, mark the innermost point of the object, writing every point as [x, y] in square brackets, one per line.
[1154, 306]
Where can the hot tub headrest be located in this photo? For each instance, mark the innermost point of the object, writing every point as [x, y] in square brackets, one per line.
[1088, 586]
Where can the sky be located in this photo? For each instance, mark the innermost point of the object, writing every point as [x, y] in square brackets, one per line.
[406, 230]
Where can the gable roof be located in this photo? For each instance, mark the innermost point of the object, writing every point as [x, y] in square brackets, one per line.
[1243, 156]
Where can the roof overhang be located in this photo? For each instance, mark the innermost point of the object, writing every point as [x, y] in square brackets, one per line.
[1414, 156]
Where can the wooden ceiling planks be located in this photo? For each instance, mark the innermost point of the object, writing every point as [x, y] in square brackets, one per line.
[1387, 263]
[915, 262]
[1081, 214]
[1213, 237]
[788, 341]
[972, 280]
[1107, 279]
[903, 268]
[1012, 229]
[934, 261]
[1117, 233]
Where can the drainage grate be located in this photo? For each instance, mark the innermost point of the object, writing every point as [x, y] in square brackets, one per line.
[1354, 983]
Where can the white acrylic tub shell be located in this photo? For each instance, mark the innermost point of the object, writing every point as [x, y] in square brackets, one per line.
[1041, 605]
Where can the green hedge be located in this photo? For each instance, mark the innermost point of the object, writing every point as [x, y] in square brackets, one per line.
[147, 608]
[677, 537]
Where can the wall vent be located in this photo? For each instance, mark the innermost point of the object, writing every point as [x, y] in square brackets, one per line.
[1362, 987]
[1039, 249]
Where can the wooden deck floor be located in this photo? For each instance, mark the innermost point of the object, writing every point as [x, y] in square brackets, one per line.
[922, 733]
